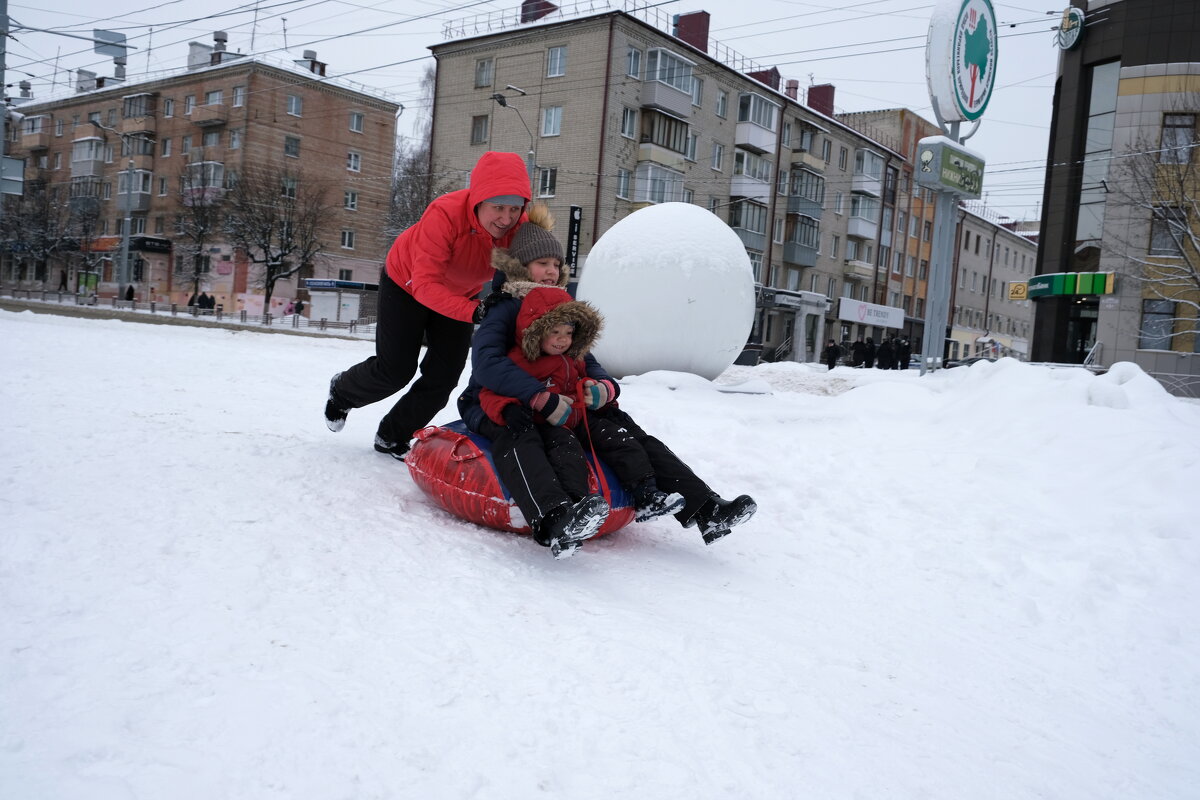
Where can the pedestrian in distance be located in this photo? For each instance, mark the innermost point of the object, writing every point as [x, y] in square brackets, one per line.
[428, 291]
[831, 353]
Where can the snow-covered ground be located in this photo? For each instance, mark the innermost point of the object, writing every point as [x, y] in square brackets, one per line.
[980, 583]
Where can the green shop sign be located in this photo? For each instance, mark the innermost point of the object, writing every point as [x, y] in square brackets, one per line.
[1060, 283]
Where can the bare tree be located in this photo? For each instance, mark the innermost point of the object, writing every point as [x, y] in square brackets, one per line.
[415, 181]
[199, 222]
[1152, 225]
[36, 228]
[83, 229]
[274, 215]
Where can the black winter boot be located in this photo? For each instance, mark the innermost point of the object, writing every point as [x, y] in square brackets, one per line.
[717, 517]
[396, 450]
[335, 413]
[581, 521]
[649, 502]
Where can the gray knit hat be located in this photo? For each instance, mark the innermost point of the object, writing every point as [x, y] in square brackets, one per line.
[535, 239]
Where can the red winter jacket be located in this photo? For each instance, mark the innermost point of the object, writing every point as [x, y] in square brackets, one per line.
[445, 258]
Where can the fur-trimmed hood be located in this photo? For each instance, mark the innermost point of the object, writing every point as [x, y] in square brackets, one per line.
[547, 306]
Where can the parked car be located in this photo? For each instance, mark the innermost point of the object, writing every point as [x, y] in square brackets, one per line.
[966, 362]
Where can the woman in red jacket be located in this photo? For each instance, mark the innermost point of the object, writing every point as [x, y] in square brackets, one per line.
[427, 291]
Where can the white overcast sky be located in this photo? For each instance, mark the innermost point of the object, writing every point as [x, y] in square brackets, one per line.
[874, 52]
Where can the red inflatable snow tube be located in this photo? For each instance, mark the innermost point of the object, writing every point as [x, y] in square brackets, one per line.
[454, 467]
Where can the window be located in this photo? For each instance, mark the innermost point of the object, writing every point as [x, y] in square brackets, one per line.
[687, 196]
[1178, 138]
[748, 215]
[235, 138]
[211, 139]
[781, 183]
[350, 201]
[864, 206]
[831, 288]
[756, 263]
[141, 182]
[722, 103]
[239, 96]
[547, 181]
[756, 109]
[633, 63]
[556, 62]
[923, 274]
[58, 160]
[295, 105]
[751, 165]
[697, 91]
[1168, 228]
[843, 158]
[158, 225]
[94, 116]
[136, 105]
[214, 98]
[345, 274]
[835, 242]
[927, 231]
[288, 187]
[205, 175]
[826, 151]
[189, 102]
[868, 163]
[809, 185]
[1158, 324]
[718, 156]
[186, 146]
[165, 147]
[291, 146]
[347, 240]
[162, 187]
[689, 150]
[664, 131]
[479, 129]
[967, 240]
[657, 184]
[484, 71]
[629, 122]
[666, 67]
[912, 267]
[356, 121]
[623, 184]
[837, 202]
[58, 127]
[354, 161]
[552, 120]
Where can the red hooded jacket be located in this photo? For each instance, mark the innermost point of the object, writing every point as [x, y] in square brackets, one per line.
[445, 258]
[542, 309]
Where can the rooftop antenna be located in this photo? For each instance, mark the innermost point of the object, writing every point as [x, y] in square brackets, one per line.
[149, 47]
[254, 26]
[285, 44]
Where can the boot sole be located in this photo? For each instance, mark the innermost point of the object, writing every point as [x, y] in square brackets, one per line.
[712, 534]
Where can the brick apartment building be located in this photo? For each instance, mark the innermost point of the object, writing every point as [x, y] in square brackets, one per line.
[198, 130]
[621, 109]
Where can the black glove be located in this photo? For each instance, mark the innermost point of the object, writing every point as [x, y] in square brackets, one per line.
[485, 305]
[518, 418]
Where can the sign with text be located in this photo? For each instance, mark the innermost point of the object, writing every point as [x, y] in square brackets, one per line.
[852, 310]
[944, 165]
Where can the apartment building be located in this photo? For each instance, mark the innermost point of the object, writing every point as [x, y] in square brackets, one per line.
[621, 109]
[1117, 273]
[154, 149]
[990, 313]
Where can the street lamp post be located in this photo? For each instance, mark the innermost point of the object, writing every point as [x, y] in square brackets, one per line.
[502, 101]
[123, 276]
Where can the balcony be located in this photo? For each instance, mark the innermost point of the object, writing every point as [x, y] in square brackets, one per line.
[754, 138]
[138, 201]
[855, 270]
[146, 125]
[210, 116]
[800, 255]
[143, 161]
[809, 159]
[656, 153]
[745, 186]
[36, 141]
[87, 167]
[865, 184]
[656, 94]
[199, 197]
[802, 205]
[862, 228]
[750, 239]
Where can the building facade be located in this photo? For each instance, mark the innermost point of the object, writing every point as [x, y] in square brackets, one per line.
[1120, 193]
[159, 152]
[619, 110]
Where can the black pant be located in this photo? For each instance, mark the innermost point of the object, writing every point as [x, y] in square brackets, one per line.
[401, 326]
[541, 466]
[670, 473]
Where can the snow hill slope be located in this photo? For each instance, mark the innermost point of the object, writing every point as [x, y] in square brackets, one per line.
[975, 584]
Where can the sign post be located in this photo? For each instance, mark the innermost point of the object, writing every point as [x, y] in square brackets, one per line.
[960, 67]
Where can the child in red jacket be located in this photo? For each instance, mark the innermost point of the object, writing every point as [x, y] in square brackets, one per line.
[553, 334]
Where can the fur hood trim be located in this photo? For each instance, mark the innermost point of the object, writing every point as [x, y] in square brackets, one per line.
[546, 306]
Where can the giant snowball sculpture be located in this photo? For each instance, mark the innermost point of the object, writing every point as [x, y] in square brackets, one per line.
[676, 289]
